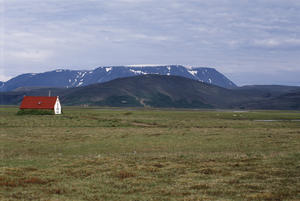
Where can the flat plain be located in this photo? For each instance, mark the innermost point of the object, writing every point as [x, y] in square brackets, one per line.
[143, 154]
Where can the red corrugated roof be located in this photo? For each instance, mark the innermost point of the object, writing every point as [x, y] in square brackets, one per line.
[38, 102]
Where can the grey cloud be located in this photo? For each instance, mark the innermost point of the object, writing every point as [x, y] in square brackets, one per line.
[233, 36]
[281, 43]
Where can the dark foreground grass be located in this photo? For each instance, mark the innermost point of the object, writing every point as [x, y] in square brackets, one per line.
[94, 154]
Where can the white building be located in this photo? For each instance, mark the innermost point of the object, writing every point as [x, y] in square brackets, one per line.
[41, 103]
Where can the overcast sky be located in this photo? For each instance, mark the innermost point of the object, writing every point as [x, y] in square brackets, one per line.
[251, 42]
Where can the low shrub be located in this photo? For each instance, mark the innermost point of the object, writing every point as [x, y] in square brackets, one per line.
[34, 112]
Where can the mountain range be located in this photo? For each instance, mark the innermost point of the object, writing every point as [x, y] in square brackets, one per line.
[166, 91]
[75, 78]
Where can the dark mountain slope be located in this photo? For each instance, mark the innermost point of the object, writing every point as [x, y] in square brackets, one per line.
[157, 91]
[146, 90]
[15, 97]
[165, 91]
[287, 101]
[151, 90]
[267, 90]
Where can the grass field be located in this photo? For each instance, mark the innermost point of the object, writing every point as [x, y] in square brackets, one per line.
[102, 154]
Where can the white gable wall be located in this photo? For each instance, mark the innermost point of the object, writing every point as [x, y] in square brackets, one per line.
[57, 107]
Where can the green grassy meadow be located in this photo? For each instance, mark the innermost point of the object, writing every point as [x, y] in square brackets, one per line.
[126, 154]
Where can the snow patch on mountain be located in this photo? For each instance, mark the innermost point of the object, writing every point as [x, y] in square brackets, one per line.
[108, 69]
[80, 83]
[193, 72]
[138, 72]
[145, 65]
[83, 74]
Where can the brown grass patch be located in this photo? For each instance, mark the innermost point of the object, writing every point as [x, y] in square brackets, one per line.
[158, 165]
[22, 181]
[123, 174]
[208, 171]
[79, 172]
[154, 134]
[200, 187]
[268, 196]
[140, 124]
[57, 191]
[34, 180]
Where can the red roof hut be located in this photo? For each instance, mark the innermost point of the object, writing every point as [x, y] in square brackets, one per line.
[41, 103]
